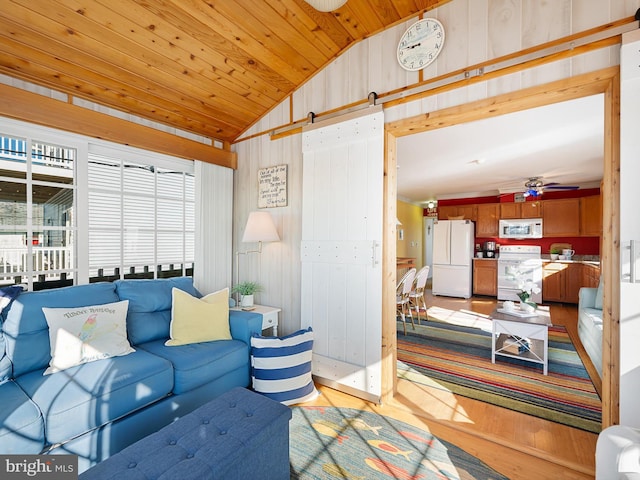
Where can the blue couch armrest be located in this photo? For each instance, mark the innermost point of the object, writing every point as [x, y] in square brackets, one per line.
[244, 325]
[587, 297]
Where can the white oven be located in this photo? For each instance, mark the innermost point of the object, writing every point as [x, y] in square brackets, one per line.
[520, 228]
[518, 264]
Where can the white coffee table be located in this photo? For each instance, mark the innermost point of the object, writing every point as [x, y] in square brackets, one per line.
[531, 334]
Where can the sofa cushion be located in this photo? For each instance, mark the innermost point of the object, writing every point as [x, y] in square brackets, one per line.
[281, 367]
[7, 295]
[195, 320]
[78, 399]
[599, 293]
[594, 315]
[199, 363]
[25, 327]
[150, 306]
[86, 334]
[21, 423]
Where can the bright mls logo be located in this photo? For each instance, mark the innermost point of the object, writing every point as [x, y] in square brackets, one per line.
[51, 467]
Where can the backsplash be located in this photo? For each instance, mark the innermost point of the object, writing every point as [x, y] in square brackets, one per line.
[582, 245]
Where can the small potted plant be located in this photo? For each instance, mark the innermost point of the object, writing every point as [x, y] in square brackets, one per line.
[553, 253]
[246, 291]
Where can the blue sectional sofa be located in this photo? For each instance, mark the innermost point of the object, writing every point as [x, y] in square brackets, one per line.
[590, 323]
[96, 409]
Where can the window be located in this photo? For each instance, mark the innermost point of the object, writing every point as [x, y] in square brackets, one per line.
[77, 210]
[37, 217]
[141, 220]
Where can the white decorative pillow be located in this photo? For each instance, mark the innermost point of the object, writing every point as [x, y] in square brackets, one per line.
[86, 334]
[281, 367]
[195, 320]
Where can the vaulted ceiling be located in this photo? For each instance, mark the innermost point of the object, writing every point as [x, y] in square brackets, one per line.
[211, 67]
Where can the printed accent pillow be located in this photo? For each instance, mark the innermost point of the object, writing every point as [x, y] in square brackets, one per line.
[195, 320]
[86, 334]
[281, 367]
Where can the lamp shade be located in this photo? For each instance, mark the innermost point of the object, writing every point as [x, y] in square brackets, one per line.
[326, 5]
[260, 228]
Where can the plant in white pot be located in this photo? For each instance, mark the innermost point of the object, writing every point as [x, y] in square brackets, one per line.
[246, 291]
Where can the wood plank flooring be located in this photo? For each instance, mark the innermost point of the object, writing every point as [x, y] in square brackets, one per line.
[519, 446]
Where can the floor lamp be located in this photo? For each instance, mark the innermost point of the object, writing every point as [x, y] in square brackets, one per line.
[259, 228]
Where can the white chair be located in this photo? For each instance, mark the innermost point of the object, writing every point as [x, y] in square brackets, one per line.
[416, 297]
[618, 453]
[403, 302]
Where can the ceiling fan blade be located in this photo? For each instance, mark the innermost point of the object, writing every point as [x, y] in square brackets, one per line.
[561, 187]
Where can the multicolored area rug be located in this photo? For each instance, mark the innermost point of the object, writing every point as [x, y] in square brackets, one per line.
[344, 443]
[457, 357]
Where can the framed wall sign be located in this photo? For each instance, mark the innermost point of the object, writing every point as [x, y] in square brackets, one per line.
[272, 186]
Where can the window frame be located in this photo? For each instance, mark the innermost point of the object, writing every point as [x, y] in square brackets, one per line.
[83, 145]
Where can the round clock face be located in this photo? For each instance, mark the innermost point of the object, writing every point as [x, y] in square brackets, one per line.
[420, 44]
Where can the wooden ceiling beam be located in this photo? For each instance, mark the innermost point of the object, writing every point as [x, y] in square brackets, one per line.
[34, 108]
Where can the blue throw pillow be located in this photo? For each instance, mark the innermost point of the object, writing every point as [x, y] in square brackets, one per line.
[281, 367]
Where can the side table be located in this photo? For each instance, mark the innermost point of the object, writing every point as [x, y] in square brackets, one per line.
[523, 338]
[269, 316]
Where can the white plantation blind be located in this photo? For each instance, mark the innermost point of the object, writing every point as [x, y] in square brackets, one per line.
[141, 216]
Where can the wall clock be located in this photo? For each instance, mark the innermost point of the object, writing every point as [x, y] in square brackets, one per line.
[420, 44]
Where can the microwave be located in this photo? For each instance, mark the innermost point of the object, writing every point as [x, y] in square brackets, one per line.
[521, 228]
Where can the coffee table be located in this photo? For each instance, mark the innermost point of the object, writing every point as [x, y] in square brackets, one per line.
[523, 337]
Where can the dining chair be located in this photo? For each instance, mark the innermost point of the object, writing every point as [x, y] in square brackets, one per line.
[403, 305]
[416, 296]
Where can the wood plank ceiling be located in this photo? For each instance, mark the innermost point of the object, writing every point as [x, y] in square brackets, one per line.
[211, 67]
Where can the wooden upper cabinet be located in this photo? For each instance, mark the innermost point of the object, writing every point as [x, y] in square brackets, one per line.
[447, 211]
[467, 212]
[488, 215]
[591, 216]
[561, 218]
[531, 209]
[510, 210]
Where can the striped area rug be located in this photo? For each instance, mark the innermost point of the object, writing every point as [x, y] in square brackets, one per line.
[457, 357]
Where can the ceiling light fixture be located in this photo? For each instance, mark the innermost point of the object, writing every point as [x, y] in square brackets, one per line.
[326, 5]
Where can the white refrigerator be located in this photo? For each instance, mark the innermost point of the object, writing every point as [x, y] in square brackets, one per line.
[453, 242]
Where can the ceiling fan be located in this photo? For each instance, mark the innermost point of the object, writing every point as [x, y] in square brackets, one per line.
[536, 187]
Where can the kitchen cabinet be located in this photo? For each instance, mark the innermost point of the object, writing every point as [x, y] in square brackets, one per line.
[591, 216]
[553, 278]
[446, 211]
[561, 218]
[488, 216]
[531, 209]
[467, 212]
[561, 281]
[590, 275]
[485, 277]
[510, 210]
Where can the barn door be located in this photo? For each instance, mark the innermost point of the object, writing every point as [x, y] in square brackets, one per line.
[341, 250]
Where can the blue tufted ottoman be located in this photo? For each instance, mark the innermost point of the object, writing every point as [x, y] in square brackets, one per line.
[238, 435]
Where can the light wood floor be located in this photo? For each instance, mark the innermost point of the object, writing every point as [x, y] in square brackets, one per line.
[519, 446]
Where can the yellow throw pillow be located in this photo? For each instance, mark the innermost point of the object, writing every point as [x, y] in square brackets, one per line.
[195, 320]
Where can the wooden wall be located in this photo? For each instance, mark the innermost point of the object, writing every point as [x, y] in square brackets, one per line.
[477, 31]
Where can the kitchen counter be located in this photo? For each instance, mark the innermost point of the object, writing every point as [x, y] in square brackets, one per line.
[585, 259]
